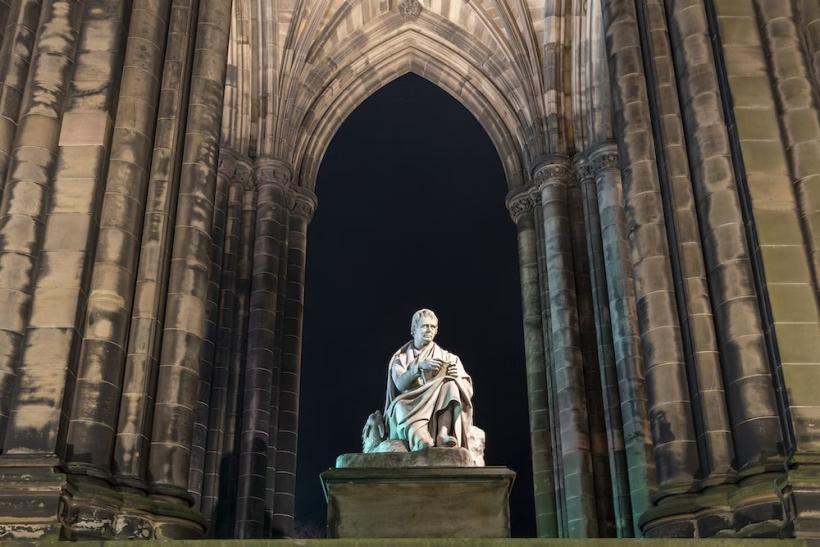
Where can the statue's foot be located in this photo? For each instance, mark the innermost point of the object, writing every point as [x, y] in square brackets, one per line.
[446, 441]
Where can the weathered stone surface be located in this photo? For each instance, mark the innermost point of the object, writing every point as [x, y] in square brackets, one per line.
[418, 502]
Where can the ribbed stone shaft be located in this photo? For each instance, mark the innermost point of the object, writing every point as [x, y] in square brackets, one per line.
[743, 351]
[92, 425]
[625, 333]
[522, 208]
[601, 480]
[621, 503]
[226, 510]
[552, 180]
[271, 217]
[184, 326]
[19, 32]
[130, 460]
[222, 359]
[698, 335]
[670, 414]
[287, 434]
[224, 174]
[34, 398]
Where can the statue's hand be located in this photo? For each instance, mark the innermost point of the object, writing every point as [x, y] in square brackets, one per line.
[433, 365]
[452, 370]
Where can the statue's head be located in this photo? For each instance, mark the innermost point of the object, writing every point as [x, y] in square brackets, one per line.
[423, 327]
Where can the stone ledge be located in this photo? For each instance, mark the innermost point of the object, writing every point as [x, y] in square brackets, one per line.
[429, 457]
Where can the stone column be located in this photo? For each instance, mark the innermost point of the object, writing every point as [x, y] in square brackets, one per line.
[808, 17]
[699, 339]
[743, 353]
[522, 209]
[625, 334]
[764, 145]
[552, 399]
[229, 465]
[224, 175]
[606, 355]
[279, 334]
[797, 98]
[670, 413]
[552, 179]
[602, 481]
[15, 59]
[272, 177]
[304, 205]
[183, 330]
[132, 439]
[29, 417]
[219, 390]
[92, 424]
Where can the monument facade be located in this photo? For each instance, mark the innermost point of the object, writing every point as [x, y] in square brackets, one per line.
[157, 168]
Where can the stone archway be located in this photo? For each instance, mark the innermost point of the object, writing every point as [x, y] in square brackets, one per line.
[157, 166]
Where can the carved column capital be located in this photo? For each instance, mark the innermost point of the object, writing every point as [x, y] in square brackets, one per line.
[244, 173]
[272, 171]
[584, 169]
[603, 158]
[555, 171]
[522, 203]
[303, 202]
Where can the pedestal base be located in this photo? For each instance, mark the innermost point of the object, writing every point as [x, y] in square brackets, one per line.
[419, 502]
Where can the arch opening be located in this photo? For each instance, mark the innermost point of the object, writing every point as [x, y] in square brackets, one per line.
[412, 216]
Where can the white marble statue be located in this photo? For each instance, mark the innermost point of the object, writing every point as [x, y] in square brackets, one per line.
[428, 402]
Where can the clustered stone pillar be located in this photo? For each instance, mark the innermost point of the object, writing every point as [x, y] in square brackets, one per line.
[522, 209]
[582, 481]
[141, 261]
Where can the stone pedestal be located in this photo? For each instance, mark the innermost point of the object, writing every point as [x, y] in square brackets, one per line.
[418, 502]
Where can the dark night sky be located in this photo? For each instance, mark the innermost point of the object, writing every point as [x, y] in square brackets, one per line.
[411, 214]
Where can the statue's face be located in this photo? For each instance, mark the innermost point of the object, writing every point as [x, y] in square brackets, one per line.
[425, 332]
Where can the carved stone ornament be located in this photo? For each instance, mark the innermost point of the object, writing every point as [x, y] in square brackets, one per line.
[244, 174]
[410, 9]
[269, 170]
[522, 204]
[584, 170]
[303, 202]
[604, 161]
[552, 172]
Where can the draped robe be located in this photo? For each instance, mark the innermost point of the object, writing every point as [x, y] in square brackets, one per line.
[413, 415]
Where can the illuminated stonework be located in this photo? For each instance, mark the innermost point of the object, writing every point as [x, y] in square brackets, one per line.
[157, 174]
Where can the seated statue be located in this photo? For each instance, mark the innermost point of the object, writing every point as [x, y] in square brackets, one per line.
[428, 402]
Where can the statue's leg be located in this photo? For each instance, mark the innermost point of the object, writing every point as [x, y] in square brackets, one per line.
[445, 426]
[419, 437]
